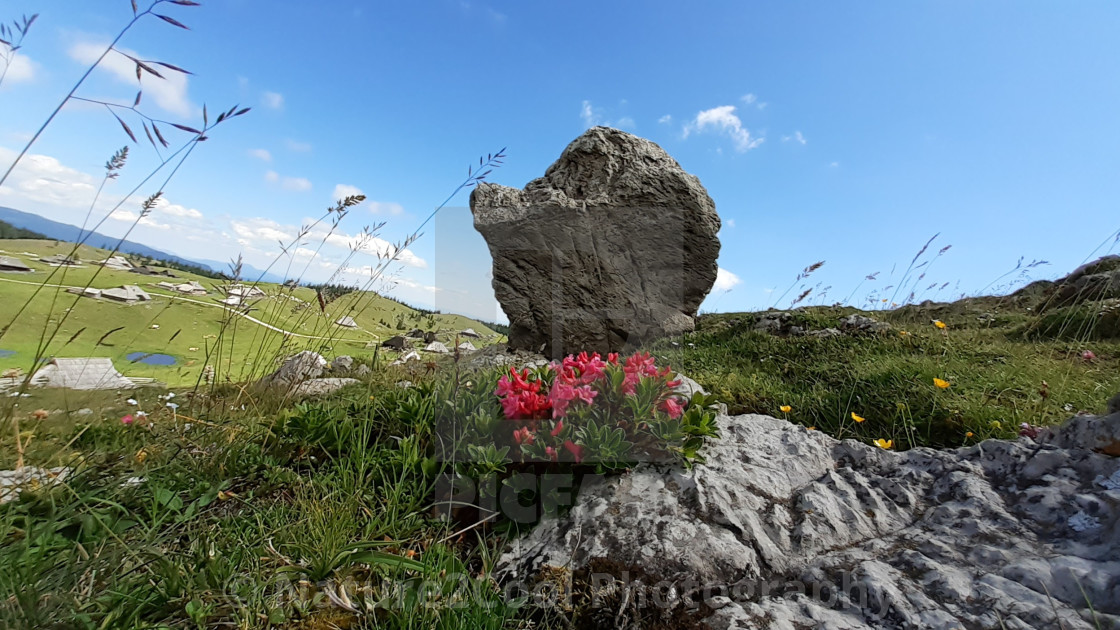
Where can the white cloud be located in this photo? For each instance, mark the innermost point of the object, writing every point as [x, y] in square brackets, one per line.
[725, 280]
[665, 120]
[21, 69]
[386, 207]
[834, 165]
[163, 206]
[749, 98]
[298, 147]
[43, 179]
[341, 191]
[273, 100]
[730, 223]
[169, 93]
[298, 184]
[593, 117]
[261, 154]
[587, 114]
[128, 216]
[723, 120]
[796, 137]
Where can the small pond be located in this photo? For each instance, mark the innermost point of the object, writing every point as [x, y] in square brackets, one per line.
[4, 354]
[150, 358]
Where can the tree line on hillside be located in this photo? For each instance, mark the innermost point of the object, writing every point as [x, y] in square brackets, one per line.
[9, 231]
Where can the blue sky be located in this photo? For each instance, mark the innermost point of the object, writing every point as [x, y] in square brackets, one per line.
[843, 132]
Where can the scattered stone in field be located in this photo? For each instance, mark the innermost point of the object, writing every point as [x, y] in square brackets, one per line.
[362, 370]
[342, 363]
[84, 411]
[614, 245]
[411, 356]
[856, 323]
[396, 343]
[499, 355]
[12, 482]
[298, 368]
[437, 347]
[774, 323]
[1002, 534]
[824, 332]
[321, 386]
[415, 333]
[404, 384]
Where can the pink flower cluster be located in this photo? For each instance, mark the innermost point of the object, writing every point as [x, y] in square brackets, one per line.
[521, 398]
[574, 376]
[640, 365]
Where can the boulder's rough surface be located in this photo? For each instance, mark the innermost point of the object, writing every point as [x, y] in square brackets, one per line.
[321, 386]
[1091, 282]
[298, 368]
[342, 364]
[800, 530]
[862, 324]
[614, 245]
[499, 355]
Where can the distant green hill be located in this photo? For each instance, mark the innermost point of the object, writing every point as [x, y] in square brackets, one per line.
[9, 231]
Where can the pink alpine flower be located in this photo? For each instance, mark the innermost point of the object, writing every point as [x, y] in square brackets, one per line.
[575, 449]
[523, 436]
[672, 407]
[127, 419]
[1088, 356]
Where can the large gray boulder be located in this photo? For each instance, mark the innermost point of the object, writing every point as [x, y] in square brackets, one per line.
[297, 368]
[788, 528]
[614, 245]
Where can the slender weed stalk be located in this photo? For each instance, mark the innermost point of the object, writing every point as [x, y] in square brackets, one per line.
[11, 40]
[141, 67]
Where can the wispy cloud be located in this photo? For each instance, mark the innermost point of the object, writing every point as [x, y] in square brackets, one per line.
[796, 137]
[723, 120]
[261, 154]
[297, 184]
[297, 146]
[376, 207]
[593, 116]
[725, 280]
[21, 69]
[169, 93]
[341, 191]
[272, 100]
[665, 120]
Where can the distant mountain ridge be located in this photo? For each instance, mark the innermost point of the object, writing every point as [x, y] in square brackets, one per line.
[71, 233]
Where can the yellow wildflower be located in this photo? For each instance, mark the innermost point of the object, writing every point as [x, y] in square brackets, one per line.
[940, 324]
[786, 408]
[812, 428]
[903, 333]
[969, 434]
[857, 418]
[884, 444]
[940, 383]
[141, 455]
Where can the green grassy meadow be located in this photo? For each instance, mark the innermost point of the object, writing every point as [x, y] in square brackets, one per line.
[196, 330]
[235, 506]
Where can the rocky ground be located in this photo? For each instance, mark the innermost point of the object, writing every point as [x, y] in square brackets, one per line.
[789, 528]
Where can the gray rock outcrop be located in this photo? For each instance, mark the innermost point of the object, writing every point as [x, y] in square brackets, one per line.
[297, 368]
[788, 528]
[322, 386]
[615, 244]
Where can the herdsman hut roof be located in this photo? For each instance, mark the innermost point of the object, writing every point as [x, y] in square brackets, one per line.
[81, 373]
